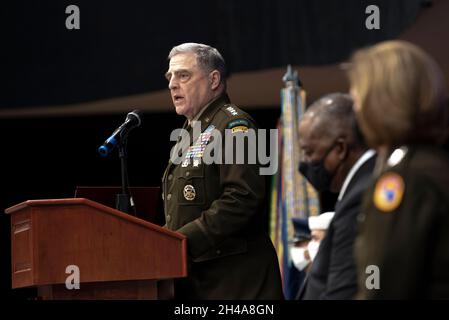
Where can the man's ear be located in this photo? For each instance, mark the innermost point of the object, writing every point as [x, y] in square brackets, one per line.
[215, 78]
[342, 148]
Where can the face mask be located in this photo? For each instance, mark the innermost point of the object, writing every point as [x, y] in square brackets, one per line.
[313, 247]
[316, 173]
[299, 258]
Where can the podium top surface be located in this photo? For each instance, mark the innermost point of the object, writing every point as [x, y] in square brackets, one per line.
[93, 204]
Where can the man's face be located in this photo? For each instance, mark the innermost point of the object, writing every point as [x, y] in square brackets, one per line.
[315, 145]
[190, 86]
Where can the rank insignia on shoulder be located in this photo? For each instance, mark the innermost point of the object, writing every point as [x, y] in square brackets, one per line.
[232, 111]
[388, 192]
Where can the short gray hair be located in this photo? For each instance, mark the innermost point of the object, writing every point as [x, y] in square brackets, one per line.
[208, 57]
[337, 117]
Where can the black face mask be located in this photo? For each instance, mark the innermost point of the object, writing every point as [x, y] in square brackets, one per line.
[316, 173]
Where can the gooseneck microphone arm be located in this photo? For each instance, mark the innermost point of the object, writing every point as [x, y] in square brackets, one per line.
[133, 120]
[123, 201]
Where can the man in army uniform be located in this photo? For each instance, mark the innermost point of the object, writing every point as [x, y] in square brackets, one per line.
[218, 207]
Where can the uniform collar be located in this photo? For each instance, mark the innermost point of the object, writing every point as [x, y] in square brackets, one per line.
[208, 112]
[396, 156]
[198, 115]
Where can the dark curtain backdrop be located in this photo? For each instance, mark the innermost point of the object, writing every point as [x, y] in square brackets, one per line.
[121, 49]
[46, 158]
[122, 46]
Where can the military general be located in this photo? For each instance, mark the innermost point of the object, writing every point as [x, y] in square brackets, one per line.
[218, 206]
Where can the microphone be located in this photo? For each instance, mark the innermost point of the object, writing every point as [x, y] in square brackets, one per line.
[132, 121]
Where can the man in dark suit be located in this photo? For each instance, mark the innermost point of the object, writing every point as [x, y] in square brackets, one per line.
[335, 158]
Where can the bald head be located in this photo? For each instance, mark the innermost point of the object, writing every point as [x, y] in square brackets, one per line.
[332, 117]
[329, 137]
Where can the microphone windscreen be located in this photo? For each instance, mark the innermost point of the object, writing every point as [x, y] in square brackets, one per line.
[137, 115]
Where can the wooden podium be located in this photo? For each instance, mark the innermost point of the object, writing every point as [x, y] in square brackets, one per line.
[118, 256]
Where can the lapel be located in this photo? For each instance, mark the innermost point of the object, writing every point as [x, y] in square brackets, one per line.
[170, 163]
[302, 288]
[208, 114]
[366, 169]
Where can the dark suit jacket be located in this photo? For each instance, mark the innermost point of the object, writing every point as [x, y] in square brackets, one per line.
[333, 272]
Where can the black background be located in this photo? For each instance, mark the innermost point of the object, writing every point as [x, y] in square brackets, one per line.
[120, 50]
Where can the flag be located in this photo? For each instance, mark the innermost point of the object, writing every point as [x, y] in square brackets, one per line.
[291, 195]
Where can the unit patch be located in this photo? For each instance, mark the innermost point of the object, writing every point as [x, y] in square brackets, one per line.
[238, 125]
[388, 192]
[237, 122]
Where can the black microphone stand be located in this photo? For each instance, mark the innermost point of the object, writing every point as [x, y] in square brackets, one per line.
[124, 201]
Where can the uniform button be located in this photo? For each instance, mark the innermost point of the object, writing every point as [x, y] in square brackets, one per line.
[188, 173]
[169, 196]
[170, 176]
[168, 218]
[218, 252]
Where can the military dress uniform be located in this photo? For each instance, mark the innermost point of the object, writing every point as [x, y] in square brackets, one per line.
[219, 208]
[402, 250]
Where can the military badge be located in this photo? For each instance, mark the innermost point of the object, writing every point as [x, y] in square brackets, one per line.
[397, 156]
[196, 151]
[238, 122]
[239, 129]
[238, 125]
[189, 192]
[186, 162]
[196, 162]
[388, 192]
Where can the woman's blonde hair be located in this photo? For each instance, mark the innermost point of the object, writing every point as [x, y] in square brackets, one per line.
[402, 95]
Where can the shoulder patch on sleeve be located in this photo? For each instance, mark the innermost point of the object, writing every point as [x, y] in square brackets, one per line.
[238, 122]
[388, 192]
[239, 129]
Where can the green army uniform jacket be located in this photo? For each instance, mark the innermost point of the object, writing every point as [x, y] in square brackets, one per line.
[404, 229]
[219, 208]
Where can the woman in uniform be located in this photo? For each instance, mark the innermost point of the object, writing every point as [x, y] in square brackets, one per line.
[401, 103]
